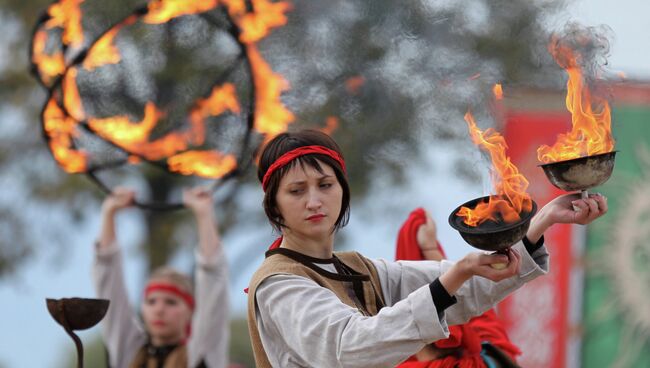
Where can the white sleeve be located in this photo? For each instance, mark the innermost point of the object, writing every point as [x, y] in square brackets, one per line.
[304, 324]
[477, 295]
[122, 332]
[210, 323]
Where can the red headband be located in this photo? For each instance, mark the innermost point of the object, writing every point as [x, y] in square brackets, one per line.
[300, 151]
[170, 288]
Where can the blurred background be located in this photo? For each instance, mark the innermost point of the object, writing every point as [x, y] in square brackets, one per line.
[391, 80]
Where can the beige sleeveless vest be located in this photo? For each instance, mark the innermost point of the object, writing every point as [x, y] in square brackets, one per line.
[351, 266]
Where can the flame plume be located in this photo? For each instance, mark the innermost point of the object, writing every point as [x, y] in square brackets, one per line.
[208, 164]
[49, 66]
[104, 51]
[511, 199]
[66, 14]
[162, 11]
[497, 90]
[271, 116]
[60, 129]
[591, 132]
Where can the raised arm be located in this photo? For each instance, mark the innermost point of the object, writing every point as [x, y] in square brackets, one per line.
[122, 332]
[210, 324]
[120, 198]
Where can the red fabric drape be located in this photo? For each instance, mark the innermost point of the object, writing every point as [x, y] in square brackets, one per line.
[468, 336]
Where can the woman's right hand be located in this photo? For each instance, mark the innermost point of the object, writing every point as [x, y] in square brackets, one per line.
[479, 264]
[120, 198]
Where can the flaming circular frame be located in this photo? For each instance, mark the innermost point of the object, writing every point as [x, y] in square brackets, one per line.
[63, 68]
[491, 235]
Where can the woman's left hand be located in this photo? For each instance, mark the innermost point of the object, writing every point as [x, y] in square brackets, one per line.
[571, 209]
[567, 209]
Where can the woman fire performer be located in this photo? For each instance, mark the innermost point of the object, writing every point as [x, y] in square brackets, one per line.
[481, 342]
[178, 330]
[310, 307]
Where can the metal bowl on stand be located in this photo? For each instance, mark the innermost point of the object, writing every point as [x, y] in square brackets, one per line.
[77, 314]
[491, 235]
[580, 173]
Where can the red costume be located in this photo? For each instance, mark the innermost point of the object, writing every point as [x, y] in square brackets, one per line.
[467, 339]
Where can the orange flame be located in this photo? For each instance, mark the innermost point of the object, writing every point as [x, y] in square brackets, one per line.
[104, 52]
[134, 137]
[208, 164]
[331, 124]
[353, 84]
[71, 96]
[61, 129]
[162, 11]
[133, 160]
[498, 91]
[590, 116]
[271, 117]
[236, 8]
[49, 66]
[267, 15]
[221, 99]
[120, 130]
[511, 199]
[66, 14]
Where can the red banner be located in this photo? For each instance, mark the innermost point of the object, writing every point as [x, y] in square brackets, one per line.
[537, 316]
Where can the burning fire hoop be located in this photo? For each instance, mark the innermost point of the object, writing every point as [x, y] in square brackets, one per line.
[64, 119]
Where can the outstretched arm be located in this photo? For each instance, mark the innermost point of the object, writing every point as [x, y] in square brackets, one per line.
[566, 209]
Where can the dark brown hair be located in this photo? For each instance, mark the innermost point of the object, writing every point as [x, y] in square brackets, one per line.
[286, 142]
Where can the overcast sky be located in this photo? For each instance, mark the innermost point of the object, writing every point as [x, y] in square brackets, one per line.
[630, 23]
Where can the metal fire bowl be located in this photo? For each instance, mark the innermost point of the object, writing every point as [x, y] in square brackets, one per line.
[77, 313]
[580, 173]
[491, 235]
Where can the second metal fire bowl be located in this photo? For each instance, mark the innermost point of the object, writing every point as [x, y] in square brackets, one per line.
[491, 235]
[580, 173]
[77, 314]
